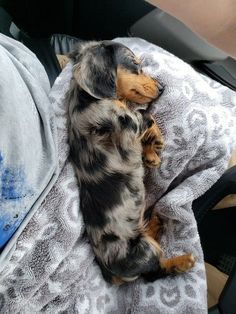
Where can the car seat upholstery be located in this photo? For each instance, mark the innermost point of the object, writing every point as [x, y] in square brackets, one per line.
[45, 49]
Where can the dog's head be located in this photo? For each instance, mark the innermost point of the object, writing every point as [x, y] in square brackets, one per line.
[108, 69]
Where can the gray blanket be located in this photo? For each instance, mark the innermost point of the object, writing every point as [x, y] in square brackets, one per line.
[52, 269]
[28, 156]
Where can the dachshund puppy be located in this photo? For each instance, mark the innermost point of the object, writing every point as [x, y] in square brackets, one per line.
[110, 70]
[106, 139]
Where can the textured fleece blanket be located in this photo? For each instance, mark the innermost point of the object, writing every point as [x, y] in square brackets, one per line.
[53, 270]
[28, 157]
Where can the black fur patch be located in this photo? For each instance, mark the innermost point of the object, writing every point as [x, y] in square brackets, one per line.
[75, 55]
[127, 123]
[154, 275]
[147, 121]
[123, 56]
[96, 162]
[134, 242]
[90, 209]
[102, 73]
[148, 213]
[78, 145]
[136, 261]
[110, 237]
[105, 127]
[84, 100]
[107, 275]
[97, 198]
[123, 153]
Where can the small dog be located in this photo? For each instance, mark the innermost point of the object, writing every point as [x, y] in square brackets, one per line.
[107, 142]
[110, 70]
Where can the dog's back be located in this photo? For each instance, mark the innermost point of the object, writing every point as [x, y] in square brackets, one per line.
[106, 149]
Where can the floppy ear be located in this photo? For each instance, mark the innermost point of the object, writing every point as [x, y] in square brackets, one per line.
[75, 54]
[96, 71]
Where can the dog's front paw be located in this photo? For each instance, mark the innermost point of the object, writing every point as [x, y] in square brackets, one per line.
[153, 143]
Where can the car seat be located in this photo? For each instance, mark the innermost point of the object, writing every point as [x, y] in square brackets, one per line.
[217, 229]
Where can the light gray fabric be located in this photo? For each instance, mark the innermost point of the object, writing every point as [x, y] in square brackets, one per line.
[28, 154]
[52, 269]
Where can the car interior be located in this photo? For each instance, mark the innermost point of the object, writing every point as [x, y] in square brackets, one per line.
[51, 28]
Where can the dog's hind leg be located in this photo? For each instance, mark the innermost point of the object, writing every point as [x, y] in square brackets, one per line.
[171, 266]
[167, 266]
[177, 264]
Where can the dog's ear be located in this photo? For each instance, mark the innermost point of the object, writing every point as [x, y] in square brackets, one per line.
[76, 53]
[96, 71]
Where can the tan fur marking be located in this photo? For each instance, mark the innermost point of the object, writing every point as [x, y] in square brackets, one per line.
[117, 281]
[154, 227]
[140, 88]
[120, 104]
[177, 264]
[63, 60]
[151, 159]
